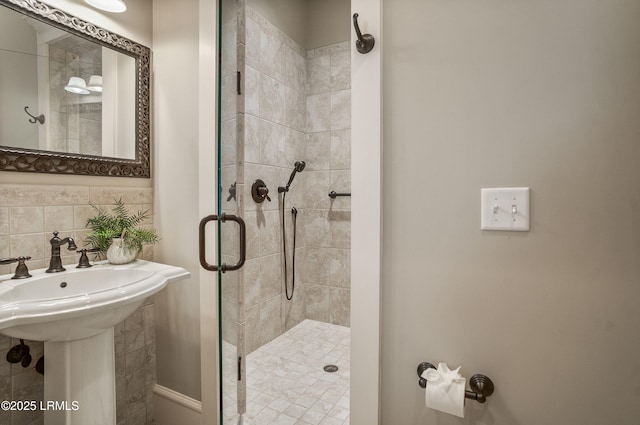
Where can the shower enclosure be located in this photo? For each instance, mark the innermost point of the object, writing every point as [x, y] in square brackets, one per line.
[284, 99]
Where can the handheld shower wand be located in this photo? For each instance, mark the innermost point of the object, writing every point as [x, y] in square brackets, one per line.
[297, 168]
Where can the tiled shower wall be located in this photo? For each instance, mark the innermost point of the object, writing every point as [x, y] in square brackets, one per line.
[274, 126]
[295, 105]
[28, 216]
[326, 271]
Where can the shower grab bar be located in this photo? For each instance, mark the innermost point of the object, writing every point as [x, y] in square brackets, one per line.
[333, 194]
[481, 385]
[243, 242]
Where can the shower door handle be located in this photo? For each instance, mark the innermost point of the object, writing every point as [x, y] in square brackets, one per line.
[243, 242]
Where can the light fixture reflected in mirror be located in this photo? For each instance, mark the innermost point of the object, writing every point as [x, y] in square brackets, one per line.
[76, 85]
[95, 83]
[115, 6]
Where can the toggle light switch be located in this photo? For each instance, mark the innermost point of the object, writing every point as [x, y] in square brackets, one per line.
[505, 209]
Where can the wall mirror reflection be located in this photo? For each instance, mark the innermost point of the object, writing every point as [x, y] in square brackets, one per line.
[74, 98]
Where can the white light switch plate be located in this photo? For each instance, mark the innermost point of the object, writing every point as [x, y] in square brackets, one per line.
[505, 209]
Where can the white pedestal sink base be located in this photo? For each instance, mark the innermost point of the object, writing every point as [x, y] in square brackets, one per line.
[81, 371]
[78, 310]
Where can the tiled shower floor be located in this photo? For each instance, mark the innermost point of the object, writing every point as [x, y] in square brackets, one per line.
[286, 383]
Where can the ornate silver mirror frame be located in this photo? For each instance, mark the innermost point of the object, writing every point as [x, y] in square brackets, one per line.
[31, 160]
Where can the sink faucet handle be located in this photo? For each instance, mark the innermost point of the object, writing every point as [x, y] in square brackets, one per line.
[22, 271]
[84, 260]
[5, 261]
[88, 250]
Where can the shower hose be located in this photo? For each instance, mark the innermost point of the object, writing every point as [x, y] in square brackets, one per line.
[294, 213]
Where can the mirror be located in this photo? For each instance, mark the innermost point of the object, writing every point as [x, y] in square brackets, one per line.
[74, 98]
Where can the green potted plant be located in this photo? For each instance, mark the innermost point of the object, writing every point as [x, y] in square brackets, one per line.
[117, 235]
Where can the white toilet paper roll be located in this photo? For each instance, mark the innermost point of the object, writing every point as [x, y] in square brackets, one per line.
[445, 390]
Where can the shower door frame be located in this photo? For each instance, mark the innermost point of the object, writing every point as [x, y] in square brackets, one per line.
[366, 213]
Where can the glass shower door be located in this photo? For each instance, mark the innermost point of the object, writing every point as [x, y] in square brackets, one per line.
[230, 189]
[231, 237]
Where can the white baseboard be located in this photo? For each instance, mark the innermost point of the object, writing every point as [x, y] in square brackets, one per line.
[171, 407]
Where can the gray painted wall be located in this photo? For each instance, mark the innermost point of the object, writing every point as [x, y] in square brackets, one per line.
[490, 94]
[310, 23]
[176, 183]
[328, 22]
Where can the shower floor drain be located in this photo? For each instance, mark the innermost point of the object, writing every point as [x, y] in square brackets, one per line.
[330, 368]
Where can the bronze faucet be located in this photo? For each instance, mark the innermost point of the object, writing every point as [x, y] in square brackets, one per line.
[55, 264]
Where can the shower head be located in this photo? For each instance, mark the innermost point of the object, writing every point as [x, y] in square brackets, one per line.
[297, 168]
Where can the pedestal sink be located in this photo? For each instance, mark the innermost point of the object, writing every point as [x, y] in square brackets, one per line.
[74, 313]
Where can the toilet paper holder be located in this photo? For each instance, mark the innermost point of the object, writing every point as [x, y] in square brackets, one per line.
[481, 386]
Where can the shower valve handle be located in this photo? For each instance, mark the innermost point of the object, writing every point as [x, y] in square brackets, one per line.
[260, 191]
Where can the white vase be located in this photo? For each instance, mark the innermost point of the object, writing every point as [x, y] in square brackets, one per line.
[119, 253]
